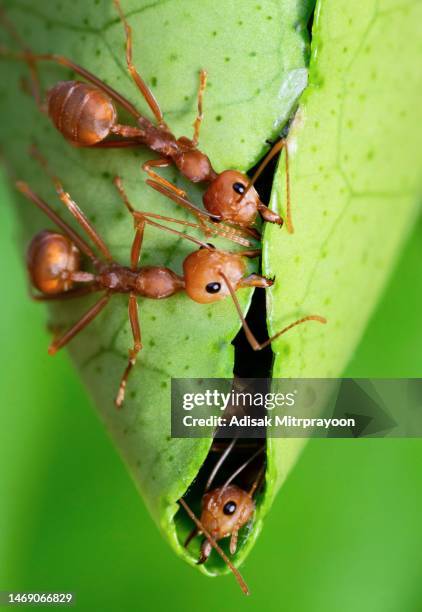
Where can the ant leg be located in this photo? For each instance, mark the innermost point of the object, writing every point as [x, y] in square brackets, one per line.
[222, 231]
[133, 352]
[177, 195]
[233, 541]
[139, 81]
[251, 253]
[135, 251]
[28, 56]
[200, 116]
[66, 295]
[181, 200]
[118, 143]
[214, 544]
[140, 215]
[161, 163]
[139, 221]
[72, 207]
[258, 346]
[258, 481]
[127, 131]
[133, 304]
[34, 77]
[46, 209]
[231, 232]
[79, 325]
[190, 537]
[256, 484]
[216, 231]
[219, 463]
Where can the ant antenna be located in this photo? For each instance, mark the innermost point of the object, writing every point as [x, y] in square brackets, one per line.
[182, 201]
[258, 346]
[257, 481]
[8, 167]
[7, 24]
[273, 152]
[240, 469]
[219, 464]
[216, 547]
[70, 204]
[200, 116]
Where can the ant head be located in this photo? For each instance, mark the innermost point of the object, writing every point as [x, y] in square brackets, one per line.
[51, 258]
[203, 271]
[225, 198]
[193, 164]
[225, 510]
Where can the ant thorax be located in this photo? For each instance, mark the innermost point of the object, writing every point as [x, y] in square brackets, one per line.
[152, 282]
[192, 163]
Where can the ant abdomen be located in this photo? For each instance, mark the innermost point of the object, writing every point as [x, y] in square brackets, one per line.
[51, 260]
[157, 282]
[81, 112]
[230, 198]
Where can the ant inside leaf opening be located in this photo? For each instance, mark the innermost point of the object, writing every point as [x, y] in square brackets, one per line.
[241, 453]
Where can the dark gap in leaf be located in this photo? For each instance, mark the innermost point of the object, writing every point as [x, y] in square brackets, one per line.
[247, 362]
[310, 23]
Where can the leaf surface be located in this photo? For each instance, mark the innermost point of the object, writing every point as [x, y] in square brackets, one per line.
[256, 60]
[355, 169]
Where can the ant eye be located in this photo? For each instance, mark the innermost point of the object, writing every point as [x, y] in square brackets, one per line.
[229, 508]
[213, 287]
[239, 188]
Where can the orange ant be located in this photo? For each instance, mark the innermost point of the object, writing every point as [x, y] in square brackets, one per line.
[225, 510]
[86, 115]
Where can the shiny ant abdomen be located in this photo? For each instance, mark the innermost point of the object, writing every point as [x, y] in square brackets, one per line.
[85, 113]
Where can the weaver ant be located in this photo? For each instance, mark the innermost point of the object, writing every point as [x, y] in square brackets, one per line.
[228, 507]
[86, 115]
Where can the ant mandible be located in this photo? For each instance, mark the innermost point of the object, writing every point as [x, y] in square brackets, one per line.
[54, 266]
[85, 114]
[225, 510]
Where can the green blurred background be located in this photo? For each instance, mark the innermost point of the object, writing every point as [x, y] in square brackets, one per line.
[344, 534]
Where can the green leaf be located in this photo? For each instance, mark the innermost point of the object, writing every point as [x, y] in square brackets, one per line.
[355, 179]
[256, 60]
